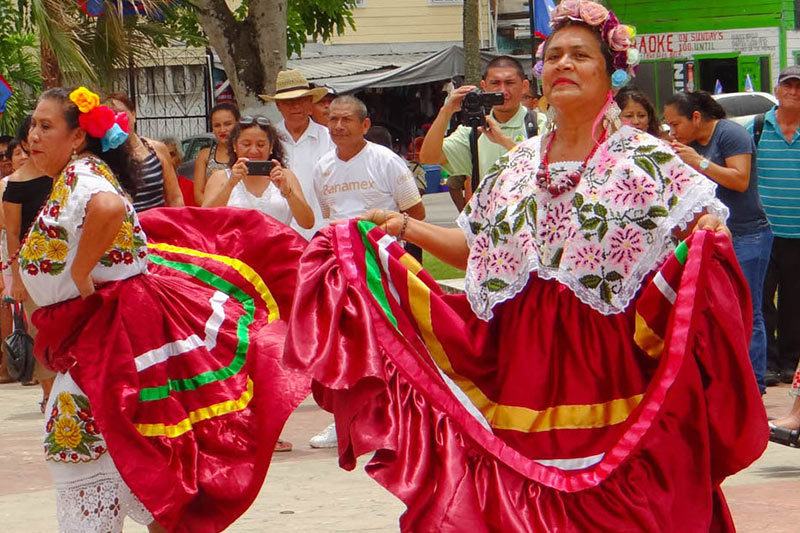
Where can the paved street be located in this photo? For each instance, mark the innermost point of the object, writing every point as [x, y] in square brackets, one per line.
[305, 490]
[439, 209]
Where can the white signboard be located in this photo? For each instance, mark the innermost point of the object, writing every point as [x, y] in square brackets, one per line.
[685, 45]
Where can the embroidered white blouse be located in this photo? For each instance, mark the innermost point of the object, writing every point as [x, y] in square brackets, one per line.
[600, 238]
[51, 244]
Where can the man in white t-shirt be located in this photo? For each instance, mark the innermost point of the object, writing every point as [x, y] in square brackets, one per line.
[305, 141]
[360, 175]
[356, 177]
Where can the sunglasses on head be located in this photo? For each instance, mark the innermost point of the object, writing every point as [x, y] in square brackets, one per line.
[247, 120]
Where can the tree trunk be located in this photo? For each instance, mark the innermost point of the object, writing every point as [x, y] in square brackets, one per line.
[253, 50]
[472, 42]
[51, 72]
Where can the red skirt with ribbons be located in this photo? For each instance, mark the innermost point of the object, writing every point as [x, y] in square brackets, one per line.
[182, 366]
[549, 417]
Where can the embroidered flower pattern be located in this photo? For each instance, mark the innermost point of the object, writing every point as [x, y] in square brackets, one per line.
[624, 246]
[633, 190]
[71, 432]
[46, 247]
[596, 237]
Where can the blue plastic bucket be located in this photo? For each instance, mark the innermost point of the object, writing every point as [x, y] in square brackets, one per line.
[433, 177]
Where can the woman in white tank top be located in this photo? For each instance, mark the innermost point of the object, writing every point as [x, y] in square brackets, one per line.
[277, 193]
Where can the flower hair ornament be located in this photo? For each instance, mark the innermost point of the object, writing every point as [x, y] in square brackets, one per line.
[620, 38]
[99, 121]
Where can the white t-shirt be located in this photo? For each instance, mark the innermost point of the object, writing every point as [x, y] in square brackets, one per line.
[301, 156]
[375, 178]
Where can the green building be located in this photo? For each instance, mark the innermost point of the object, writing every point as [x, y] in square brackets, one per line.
[693, 43]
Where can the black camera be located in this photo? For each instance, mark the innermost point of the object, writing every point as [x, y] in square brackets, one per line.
[477, 105]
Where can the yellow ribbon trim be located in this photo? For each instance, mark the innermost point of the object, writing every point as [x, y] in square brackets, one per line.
[408, 261]
[511, 417]
[245, 270]
[198, 415]
[647, 339]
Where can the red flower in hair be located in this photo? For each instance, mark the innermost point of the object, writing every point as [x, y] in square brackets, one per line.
[97, 121]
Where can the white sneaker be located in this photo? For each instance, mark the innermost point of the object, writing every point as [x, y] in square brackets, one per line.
[325, 438]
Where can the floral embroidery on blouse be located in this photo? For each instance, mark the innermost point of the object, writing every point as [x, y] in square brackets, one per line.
[71, 432]
[600, 239]
[46, 246]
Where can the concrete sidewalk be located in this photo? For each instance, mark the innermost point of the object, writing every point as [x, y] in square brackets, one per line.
[305, 491]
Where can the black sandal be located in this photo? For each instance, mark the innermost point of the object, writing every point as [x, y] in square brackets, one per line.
[785, 436]
[43, 404]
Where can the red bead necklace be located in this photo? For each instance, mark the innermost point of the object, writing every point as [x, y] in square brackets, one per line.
[573, 178]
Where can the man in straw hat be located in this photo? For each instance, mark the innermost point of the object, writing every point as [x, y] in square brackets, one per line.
[305, 141]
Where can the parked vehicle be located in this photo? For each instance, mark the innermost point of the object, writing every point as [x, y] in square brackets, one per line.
[741, 107]
[190, 147]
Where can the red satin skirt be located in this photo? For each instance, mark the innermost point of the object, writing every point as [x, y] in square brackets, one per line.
[549, 417]
[181, 366]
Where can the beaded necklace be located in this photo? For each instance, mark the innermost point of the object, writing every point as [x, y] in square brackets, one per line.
[573, 178]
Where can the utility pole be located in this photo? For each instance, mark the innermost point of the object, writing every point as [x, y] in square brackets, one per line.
[472, 42]
[532, 15]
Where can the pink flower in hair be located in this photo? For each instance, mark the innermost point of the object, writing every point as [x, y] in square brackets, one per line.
[593, 13]
[619, 38]
[567, 9]
[122, 120]
[540, 50]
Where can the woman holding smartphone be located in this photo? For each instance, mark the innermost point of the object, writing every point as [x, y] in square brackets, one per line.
[258, 179]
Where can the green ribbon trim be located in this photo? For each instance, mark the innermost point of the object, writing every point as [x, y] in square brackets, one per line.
[150, 394]
[374, 283]
[682, 252]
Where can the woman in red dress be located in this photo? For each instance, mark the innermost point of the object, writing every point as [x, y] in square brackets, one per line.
[595, 376]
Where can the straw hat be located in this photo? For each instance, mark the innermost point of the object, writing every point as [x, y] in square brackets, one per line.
[292, 84]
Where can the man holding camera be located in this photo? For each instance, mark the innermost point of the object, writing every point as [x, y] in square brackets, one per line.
[505, 126]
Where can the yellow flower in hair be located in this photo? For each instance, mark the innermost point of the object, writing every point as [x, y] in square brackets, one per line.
[85, 99]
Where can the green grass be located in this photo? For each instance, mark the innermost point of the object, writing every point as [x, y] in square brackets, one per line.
[438, 269]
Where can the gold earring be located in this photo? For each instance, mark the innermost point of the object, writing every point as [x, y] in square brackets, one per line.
[74, 154]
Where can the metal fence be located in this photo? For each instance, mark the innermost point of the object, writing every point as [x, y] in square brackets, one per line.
[171, 92]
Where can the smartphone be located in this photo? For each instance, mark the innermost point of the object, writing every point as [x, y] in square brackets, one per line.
[259, 168]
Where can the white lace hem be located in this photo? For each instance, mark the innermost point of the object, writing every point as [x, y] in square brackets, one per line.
[701, 197]
[98, 504]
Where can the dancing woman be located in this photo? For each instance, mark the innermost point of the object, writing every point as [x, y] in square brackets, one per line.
[160, 410]
[594, 377]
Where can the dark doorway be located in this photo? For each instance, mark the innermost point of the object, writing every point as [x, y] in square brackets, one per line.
[724, 70]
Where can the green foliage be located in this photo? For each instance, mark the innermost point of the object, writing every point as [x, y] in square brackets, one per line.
[90, 49]
[317, 19]
[19, 65]
[181, 19]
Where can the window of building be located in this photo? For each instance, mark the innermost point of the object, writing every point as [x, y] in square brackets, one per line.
[445, 2]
